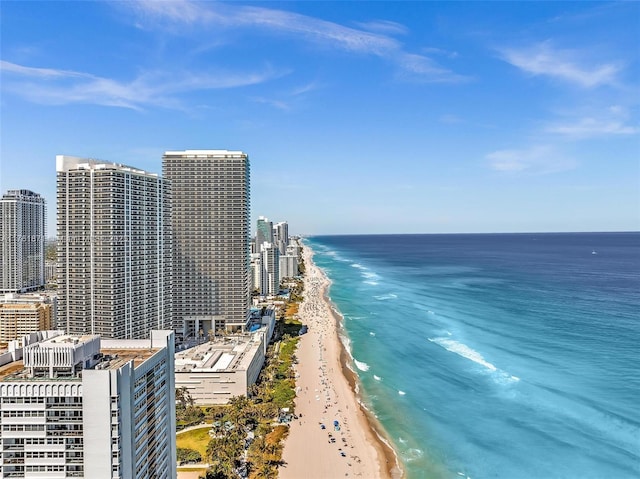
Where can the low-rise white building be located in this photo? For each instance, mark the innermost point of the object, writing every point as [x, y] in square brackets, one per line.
[218, 370]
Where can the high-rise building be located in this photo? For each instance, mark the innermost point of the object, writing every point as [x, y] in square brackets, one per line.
[211, 234]
[113, 248]
[270, 278]
[288, 266]
[264, 232]
[82, 407]
[22, 240]
[281, 236]
[256, 271]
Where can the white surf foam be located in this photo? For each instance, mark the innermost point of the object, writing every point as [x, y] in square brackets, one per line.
[346, 342]
[372, 283]
[412, 454]
[466, 352]
[402, 393]
[371, 333]
[377, 378]
[358, 266]
[361, 365]
[386, 297]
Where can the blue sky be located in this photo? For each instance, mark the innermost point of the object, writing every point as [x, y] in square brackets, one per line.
[358, 117]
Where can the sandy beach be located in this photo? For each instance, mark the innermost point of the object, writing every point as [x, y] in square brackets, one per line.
[326, 394]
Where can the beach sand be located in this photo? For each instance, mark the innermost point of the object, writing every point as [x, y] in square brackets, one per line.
[325, 389]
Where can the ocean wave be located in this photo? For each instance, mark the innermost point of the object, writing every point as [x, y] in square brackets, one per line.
[466, 352]
[372, 283]
[370, 275]
[361, 365]
[401, 393]
[377, 378]
[412, 454]
[385, 297]
[346, 342]
[335, 256]
[371, 333]
[358, 266]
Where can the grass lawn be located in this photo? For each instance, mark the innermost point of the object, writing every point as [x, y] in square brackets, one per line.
[196, 439]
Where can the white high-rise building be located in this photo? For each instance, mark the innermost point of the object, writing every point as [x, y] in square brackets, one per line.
[270, 278]
[256, 271]
[288, 266]
[114, 249]
[22, 241]
[211, 231]
[82, 407]
[281, 236]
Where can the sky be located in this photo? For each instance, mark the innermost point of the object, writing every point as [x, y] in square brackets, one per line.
[358, 117]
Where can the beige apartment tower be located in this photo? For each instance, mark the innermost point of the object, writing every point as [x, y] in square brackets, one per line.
[24, 314]
[114, 249]
[210, 221]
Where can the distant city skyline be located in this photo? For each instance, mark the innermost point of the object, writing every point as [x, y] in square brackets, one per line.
[380, 117]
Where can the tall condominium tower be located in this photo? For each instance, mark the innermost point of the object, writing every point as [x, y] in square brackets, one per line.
[114, 249]
[281, 236]
[82, 407]
[270, 273]
[210, 219]
[264, 232]
[22, 237]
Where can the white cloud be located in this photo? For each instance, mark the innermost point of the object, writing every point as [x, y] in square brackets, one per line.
[58, 87]
[314, 30]
[309, 87]
[543, 59]
[539, 159]
[179, 11]
[421, 68]
[280, 105]
[39, 72]
[440, 51]
[590, 127]
[384, 26]
[612, 121]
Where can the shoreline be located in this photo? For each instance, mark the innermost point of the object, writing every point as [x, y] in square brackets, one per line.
[327, 394]
[392, 465]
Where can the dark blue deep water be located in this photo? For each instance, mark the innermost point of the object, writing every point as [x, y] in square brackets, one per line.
[496, 356]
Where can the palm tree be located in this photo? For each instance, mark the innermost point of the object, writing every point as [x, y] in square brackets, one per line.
[181, 394]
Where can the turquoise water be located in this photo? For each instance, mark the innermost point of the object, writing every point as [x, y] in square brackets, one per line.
[491, 356]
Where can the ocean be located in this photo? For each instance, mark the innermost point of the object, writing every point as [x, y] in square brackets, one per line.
[496, 355]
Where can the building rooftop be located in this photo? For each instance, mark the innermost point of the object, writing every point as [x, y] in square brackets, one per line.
[68, 163]
[205, 153]
[122, 356]
[82, 352]
[222, 354]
